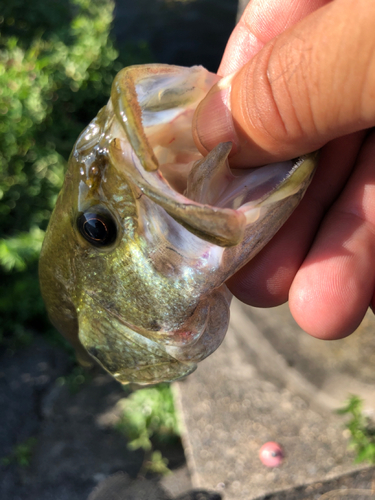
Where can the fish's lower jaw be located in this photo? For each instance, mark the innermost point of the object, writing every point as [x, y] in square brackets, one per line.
[152, 372]
[140, 378]
[131, 357]
[127, 355]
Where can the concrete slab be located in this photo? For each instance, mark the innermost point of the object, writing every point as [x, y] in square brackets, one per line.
[245, 394]
[334, 369]
[358, 485]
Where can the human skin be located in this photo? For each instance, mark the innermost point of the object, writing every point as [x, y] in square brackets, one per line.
[305, 79]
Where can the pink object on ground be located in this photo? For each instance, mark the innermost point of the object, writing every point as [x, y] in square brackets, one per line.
[271, 454]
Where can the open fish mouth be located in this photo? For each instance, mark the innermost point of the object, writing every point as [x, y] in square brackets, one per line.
[146, 231]
[148, 136]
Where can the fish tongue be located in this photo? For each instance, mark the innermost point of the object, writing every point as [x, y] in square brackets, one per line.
[210, 176]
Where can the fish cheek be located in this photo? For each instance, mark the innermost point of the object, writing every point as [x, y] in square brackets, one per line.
[125, 354]
[57, 271]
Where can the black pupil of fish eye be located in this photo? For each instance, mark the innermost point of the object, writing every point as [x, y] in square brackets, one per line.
[98, 229]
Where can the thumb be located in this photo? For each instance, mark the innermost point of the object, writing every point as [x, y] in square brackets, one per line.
[309, 85]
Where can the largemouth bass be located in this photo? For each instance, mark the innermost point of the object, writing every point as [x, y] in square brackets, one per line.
[146, 231]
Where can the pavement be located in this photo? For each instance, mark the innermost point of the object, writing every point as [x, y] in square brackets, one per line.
[270, 381]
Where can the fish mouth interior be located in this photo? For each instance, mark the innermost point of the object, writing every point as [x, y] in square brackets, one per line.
[153, 147]
[171, 139]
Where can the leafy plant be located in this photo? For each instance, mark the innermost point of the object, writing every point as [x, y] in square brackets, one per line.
[156, 464]
[149, 418]
[361, 428]
[21, 454]
[57, 63]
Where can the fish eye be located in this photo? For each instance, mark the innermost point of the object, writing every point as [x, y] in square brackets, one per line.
[97, 227]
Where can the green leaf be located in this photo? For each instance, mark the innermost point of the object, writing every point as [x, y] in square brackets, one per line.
[21, 454]
[361, 430]
[157, 464]
[16, 252]
[148, 415]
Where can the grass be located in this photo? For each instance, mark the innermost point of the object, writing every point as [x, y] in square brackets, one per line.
[361, 428]
[21, 454]
[148, 419]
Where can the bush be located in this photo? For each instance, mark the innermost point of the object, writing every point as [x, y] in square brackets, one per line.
[57, 62]
[148, 418]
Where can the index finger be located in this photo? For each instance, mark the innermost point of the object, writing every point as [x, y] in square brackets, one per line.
[261, 21]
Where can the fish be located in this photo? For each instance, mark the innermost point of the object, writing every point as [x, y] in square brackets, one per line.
[146, 231]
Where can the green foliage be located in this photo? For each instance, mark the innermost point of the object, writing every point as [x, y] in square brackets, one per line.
[157, 464]
[149, 413]
[57, 62]
[361, 429]
[21, 454]
[15, 252]
[148, 417]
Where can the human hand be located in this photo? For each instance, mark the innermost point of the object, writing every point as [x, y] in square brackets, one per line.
[305, 79]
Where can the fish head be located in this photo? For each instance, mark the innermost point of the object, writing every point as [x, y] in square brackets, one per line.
[146, 231]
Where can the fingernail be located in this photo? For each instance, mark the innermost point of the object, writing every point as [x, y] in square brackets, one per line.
[213, 122]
